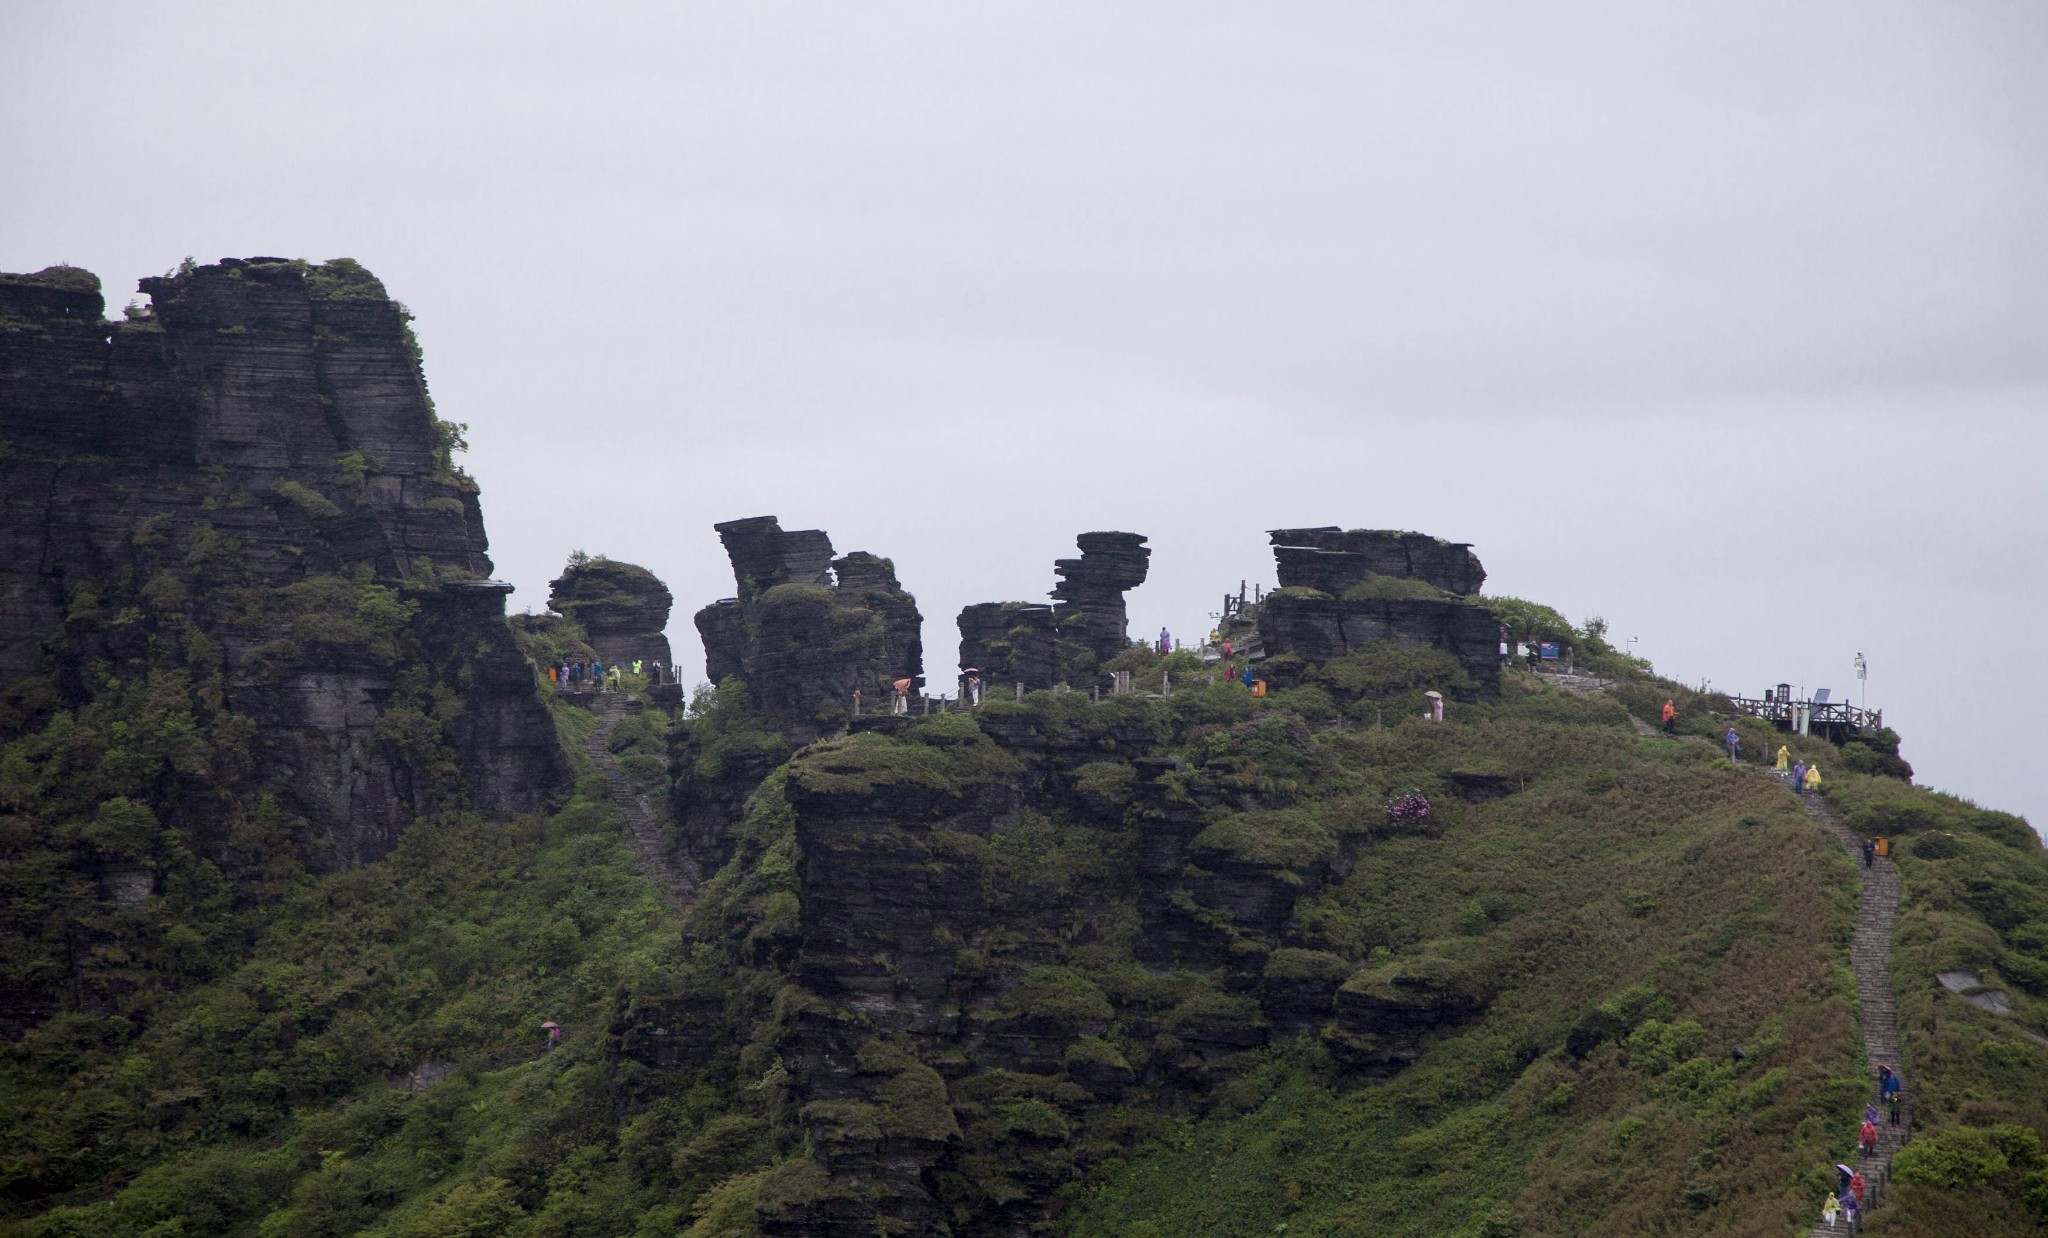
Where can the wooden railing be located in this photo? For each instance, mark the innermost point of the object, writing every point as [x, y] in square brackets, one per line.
[1827, 715]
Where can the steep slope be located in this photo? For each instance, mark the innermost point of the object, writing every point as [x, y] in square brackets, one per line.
[1187, 962]
[246, 634]
[248, 488]
[1100, 966]
[376, 1063]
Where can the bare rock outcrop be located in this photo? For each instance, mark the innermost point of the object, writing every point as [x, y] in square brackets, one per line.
[622, 607]
[1342, 590]
[247, 486]
[1067, 641]
[807, 630]
[1334, 560]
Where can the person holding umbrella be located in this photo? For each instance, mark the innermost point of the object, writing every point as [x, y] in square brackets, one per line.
[554, 1031]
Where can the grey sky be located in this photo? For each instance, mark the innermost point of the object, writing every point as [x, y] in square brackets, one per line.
[1727, 322]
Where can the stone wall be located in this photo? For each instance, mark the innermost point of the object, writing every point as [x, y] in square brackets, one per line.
[267, 425]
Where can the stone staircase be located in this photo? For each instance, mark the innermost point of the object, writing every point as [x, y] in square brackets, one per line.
[1870, 959]
[1870, 956]
[676, 879]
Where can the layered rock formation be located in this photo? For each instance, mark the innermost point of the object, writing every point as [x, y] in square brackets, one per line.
[1334, 560]
[1007, 931]
[806, 630]
[622, 607]
[949, 1070]
[248, 488]
[1068, 641]
[1344, 590]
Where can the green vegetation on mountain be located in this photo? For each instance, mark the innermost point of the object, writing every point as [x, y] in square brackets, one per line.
[375, 1064]
[1601, 987]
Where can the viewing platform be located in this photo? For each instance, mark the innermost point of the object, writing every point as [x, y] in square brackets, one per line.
[1837, 721]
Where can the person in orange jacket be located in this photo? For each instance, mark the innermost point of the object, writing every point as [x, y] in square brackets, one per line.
[1670, 717]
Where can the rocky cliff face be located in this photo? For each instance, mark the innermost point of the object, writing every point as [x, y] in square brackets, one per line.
[1334, 560]
[1344, 590]
[1012, 931]
[972, 947]
[622, 607]
[806, 630]
[247, 491]
[1068, 641]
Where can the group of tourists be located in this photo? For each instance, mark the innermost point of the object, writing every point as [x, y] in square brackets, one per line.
[1805, 778]
[1846, 1201]
[1233, 673]
[578, 673]
[592, 674]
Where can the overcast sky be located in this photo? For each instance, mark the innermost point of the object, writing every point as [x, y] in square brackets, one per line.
[1726, 322]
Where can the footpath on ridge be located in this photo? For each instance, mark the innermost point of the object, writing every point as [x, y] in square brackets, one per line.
[643, 832]
[1870, 959]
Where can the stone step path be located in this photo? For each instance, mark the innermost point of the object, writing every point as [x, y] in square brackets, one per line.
[1870, 960]
[676, 879]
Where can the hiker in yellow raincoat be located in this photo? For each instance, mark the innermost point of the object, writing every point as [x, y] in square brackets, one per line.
[1812, 779]
[1784, 759]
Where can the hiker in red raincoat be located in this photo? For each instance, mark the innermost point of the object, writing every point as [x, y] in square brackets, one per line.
[1856, 1188]
[1867, 1138]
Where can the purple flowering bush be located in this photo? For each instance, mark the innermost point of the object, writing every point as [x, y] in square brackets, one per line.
[1409, 809]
